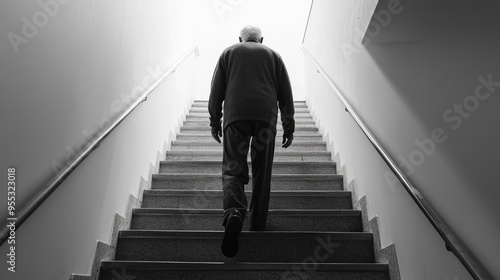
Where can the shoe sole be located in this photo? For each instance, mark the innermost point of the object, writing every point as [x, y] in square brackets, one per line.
[230, 242]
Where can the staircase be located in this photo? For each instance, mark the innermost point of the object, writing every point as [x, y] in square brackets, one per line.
[312, 231]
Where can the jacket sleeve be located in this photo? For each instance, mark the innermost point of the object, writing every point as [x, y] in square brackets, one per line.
[285, 100]
[217, 93]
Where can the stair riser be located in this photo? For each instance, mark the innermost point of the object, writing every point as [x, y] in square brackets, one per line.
[309, 129]
[196, 106]
[208, 138]
[203, 117]
[338, 223]
[215, 168]
[202, 183]
[205, 121]
[205, 110]
[254, 249]
[204, 103]
[305, 271]
[206, 201]
[307, 148]
[190, 123]
[277, 157]
[207, 115]
[206, 131]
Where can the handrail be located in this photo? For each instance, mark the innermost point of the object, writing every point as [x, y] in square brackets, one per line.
[451, 239]
[57, 180]
[307, 22]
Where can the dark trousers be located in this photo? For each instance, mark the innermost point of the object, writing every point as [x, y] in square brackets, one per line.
[239, 136]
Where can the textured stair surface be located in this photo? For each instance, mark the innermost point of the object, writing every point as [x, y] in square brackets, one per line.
[207, 199]
[280, 167]
[204, 246]
[278, 220]
[231, 271]
[312, 230]
[278, 181]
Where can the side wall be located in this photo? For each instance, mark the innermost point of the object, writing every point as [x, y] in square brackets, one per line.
[67, 68]
[409, 80]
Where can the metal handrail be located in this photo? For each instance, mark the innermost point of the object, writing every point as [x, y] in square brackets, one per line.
[451, 239]
[57, 180]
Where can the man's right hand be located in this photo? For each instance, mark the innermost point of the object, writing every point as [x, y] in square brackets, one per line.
[287, 140]
[217, 133]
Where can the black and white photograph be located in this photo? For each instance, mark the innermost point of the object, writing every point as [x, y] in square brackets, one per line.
[250, 139]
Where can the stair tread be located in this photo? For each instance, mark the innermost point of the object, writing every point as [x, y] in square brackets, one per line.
[195, 162]
[310, 177]
[273, 193]
[285, 152]
[213, 143]
[176, 211]
[252, 266]
[217, 234]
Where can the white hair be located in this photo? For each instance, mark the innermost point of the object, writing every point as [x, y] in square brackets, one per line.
[250, 32]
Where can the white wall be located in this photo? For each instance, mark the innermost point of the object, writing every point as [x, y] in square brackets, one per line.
[282, 23]
[411, 69]
[84, 62]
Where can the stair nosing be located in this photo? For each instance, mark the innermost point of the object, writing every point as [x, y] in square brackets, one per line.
[288, 212]
[217, 234]
[245, 266]
[293, 163]
[279, 177]
[213, 143]
[307, 153]
[273, 193]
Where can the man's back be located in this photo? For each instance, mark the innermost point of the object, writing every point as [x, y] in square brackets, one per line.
[251, 78]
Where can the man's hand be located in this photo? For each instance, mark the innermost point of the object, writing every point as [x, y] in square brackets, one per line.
[217, 133]
[287, 140]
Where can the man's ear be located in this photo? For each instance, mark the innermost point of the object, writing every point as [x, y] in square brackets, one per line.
[261, 40]
[240, 39]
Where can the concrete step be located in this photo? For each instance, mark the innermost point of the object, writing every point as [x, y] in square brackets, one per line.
[207, 123]
[204, 246]
[279, 155]
[206, 131]
[204, 103]
[206, 120]
[208, 138]
[198, 181]
[214, 146]
[278, 220]
[207, 115]
[279, 167]
[298, 119]
[279, 129]
[110, 270]
[205, 109]
[207, 199]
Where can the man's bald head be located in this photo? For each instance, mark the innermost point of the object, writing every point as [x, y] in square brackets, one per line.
[251, 33]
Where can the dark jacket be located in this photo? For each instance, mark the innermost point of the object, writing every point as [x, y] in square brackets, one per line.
[252, 81]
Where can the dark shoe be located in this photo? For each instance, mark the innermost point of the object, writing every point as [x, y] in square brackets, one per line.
[230, 242]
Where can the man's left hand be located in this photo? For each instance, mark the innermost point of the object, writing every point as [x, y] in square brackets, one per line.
[217, 133]
[287, 140]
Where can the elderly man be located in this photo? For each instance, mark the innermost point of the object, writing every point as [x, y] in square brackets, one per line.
[252, 81]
